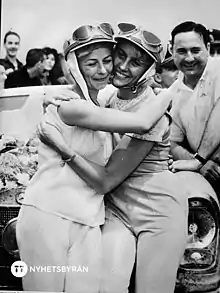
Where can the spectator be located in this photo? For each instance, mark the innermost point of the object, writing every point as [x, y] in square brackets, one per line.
[11, 44]
[58, 70]
[214, 42]
[195, 139]
[31, 73]
[3, 77]
[52, 66]
[166, 71]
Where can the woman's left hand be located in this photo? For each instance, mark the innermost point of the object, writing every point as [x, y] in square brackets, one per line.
[184, 165]
[58, 96]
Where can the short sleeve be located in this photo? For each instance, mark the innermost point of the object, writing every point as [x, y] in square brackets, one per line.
[156, 133]
[177, 132]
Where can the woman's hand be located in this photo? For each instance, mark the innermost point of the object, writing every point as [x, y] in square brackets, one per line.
[50, 135]
[57, 96]
[184, 165]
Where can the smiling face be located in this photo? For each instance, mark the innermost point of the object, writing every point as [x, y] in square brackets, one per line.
[96, 66]
[190, 54]
[12, 44]
[130, 63]
[49, 62]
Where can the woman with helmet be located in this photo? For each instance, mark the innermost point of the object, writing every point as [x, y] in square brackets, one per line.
[146, 210]
[59, 222]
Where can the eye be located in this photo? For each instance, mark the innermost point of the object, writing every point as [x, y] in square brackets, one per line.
[91, 64]
[120, 54]
[107, 61]
[195, 50]
[181, 51]
[135, 63]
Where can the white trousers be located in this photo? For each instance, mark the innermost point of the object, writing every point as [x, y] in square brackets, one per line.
[46, 240]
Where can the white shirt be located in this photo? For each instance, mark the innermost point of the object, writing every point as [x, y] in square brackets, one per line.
[191, 108]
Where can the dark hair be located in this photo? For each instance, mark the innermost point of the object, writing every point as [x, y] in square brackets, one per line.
[189, 26]
[47, 51]
[11, 33]
[170, 66]
[33, 56]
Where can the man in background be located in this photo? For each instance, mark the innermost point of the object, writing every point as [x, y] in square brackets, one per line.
[11, 44]
[166, 71]
[31, 73]
[195, 130]
[214, 42]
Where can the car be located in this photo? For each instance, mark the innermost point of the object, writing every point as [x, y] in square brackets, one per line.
[199, 270]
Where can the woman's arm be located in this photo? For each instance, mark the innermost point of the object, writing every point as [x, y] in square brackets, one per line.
[126, 157]
[87, 115]
[129, 153]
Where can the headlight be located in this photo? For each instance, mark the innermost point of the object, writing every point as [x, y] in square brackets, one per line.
[202, 234]
[9, 238]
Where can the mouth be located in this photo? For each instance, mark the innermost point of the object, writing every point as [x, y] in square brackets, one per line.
[120, 75]
[101, 79]
[190, 66]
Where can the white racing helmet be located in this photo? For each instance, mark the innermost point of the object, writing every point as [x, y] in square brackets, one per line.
[82, 37]
[145, 40]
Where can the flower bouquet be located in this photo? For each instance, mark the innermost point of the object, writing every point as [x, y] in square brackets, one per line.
[18, 163]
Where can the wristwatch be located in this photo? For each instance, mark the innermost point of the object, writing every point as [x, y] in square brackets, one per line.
[200, 159]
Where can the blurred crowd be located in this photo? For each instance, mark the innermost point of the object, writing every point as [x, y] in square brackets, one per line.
[44, 65]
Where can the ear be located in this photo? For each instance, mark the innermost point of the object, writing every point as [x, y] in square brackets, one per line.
[157, 78]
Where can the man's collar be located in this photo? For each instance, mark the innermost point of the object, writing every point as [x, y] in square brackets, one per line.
[207, 69]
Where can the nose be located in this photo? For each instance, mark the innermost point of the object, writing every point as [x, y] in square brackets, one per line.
[189, 57]
[123, 65]
[102, 69]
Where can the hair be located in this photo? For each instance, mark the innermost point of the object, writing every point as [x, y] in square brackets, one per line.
[34, 56]
[190, 26]
[47, 51]
[86, 50]
[11, 33]
[170, 65]
[57, 70]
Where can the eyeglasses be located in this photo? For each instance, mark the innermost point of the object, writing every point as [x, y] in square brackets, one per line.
[144, 38]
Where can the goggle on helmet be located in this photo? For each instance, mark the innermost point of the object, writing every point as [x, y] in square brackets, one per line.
[147, 41]
[88, 34]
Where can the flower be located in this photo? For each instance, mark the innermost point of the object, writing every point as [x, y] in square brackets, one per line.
[23, 178]
[10, 184]
[18, 162]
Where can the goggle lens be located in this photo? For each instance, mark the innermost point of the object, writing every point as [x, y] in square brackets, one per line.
[151, 39]
[127, 27]
[85, 32]
[107, 28]
[82, 33]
